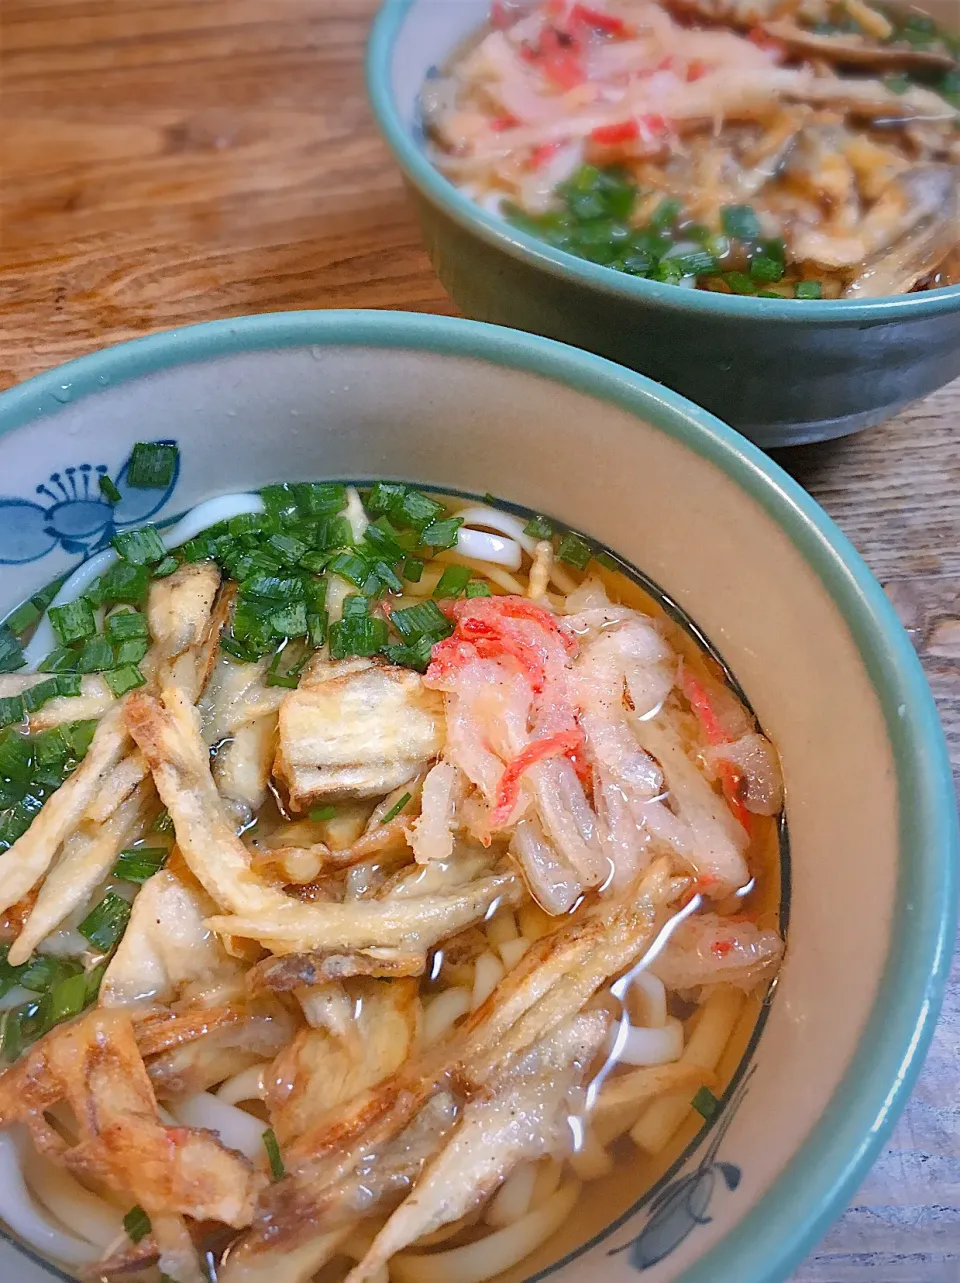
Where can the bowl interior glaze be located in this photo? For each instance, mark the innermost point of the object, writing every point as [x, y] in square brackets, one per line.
[743, 550]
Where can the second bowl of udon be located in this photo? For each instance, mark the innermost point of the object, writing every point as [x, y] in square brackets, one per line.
[759, 212]
[432, 843]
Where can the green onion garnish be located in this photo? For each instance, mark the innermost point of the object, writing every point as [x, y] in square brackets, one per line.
[809, 289]
[290, 621]
[763, 268]
[141, 546]
[357, 636]
[385, 495]
[165, 567]
[271, 1145]
[11, 653]
[739, 283]
[705, 1103]
[740, 221]
[441, 534]
[574, 550]
[121, 680]
[453, 581]
[74, 621]
[413, 570]
[604, 559]
[68, 998]
[477, 588]
[105, 924]
[382, 537]
[538, 527]
[273, 588]
[321, 813]
[12, 710]
[42, 972]
[123, 583]
[132, 651]
[60, 659]
[95, 656]
[416, 510]
[78, 736]
[397, 807]
[94, 979]
[320, 498]
[140, 863]
[349, 566]
[137, 1224]
[109, 490]
[153, 465]
[425, 619]
[163, 823]
[317, 628]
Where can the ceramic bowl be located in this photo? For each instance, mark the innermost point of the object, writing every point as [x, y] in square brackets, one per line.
[781, 371]
[869, 884]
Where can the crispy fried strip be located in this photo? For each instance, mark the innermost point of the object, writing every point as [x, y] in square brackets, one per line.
[169, 737]
[93, 701]
[414, 923]
[117, 787]
[296, 970]
[85, 860]
[32, 854]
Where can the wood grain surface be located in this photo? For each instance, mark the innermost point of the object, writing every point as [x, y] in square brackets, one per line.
[163, 163]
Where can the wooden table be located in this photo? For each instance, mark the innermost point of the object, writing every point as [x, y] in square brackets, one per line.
[169, 161]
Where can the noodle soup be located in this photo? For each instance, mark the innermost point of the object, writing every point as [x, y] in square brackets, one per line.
[807, 150]
[384, 874]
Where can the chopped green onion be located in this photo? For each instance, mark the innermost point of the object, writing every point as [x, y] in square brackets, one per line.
[280, 501]
[12, 710]
[11, 653]
[123, 625]
[109, 490]
[809, 289]
[74, 621]
[425, 619]
[153, 465]
[320, 498]
[25, 614]
[163, 823]
[140, 547]
[355, 606]
[321, 813]
[385, 496]
[351, 567]
[739, 283]
[290, 679]
[604, 559]
[41, 973]
[273, 588]
[105, 924]
[538, 527]
[94, 979]
[477, 588]
[271, 1145]
[397, 807]
[123, 583]
[666, 213]
[413, 570]
[78, 736]
[68, 998]
[165, 567]
[453, 581]
[768, 294]
[763, 268]
[416, 510]
[15, 756]
[121, 680]
[35, 697]
[132, 651]
[357, 636]
[291, 620]
[238, 650]
[333, 533]
[62, 658]
[96, 655]
[574, 550]
[137, 1224]
[705, 1103]
[50, 749]
[287, 549]
[317, 628]
[140, 863]
[386, 578]
[441, 534]
[740, 221]
[381, 536]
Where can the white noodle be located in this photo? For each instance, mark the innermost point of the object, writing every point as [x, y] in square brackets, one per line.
[493, 519]
[21, 1213]
[493, 1254]
[647, 1000]
[512, 1200]
[235, 1127]
[443, 1011]
[660, 1121]
[487, 974]
[247, 1085]
[501, 928]
[198, 519]
[637, 1045]
[479, 545]
[90, 1217]
[511, 951]
[355, 514]
[590, 1161]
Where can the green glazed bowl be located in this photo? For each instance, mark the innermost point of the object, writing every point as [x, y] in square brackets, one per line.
[783, 372]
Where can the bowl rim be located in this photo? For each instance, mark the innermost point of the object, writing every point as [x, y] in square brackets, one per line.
[498, 233]
[817, 1182]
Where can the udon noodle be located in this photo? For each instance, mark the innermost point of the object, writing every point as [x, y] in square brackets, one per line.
[778, 148]
[378, 872]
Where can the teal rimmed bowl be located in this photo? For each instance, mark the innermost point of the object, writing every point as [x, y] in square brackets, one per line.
[736, 544]
[782, 372]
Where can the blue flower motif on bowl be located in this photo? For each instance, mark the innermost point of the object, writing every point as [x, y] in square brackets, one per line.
[682, 1204]
[72, 513]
